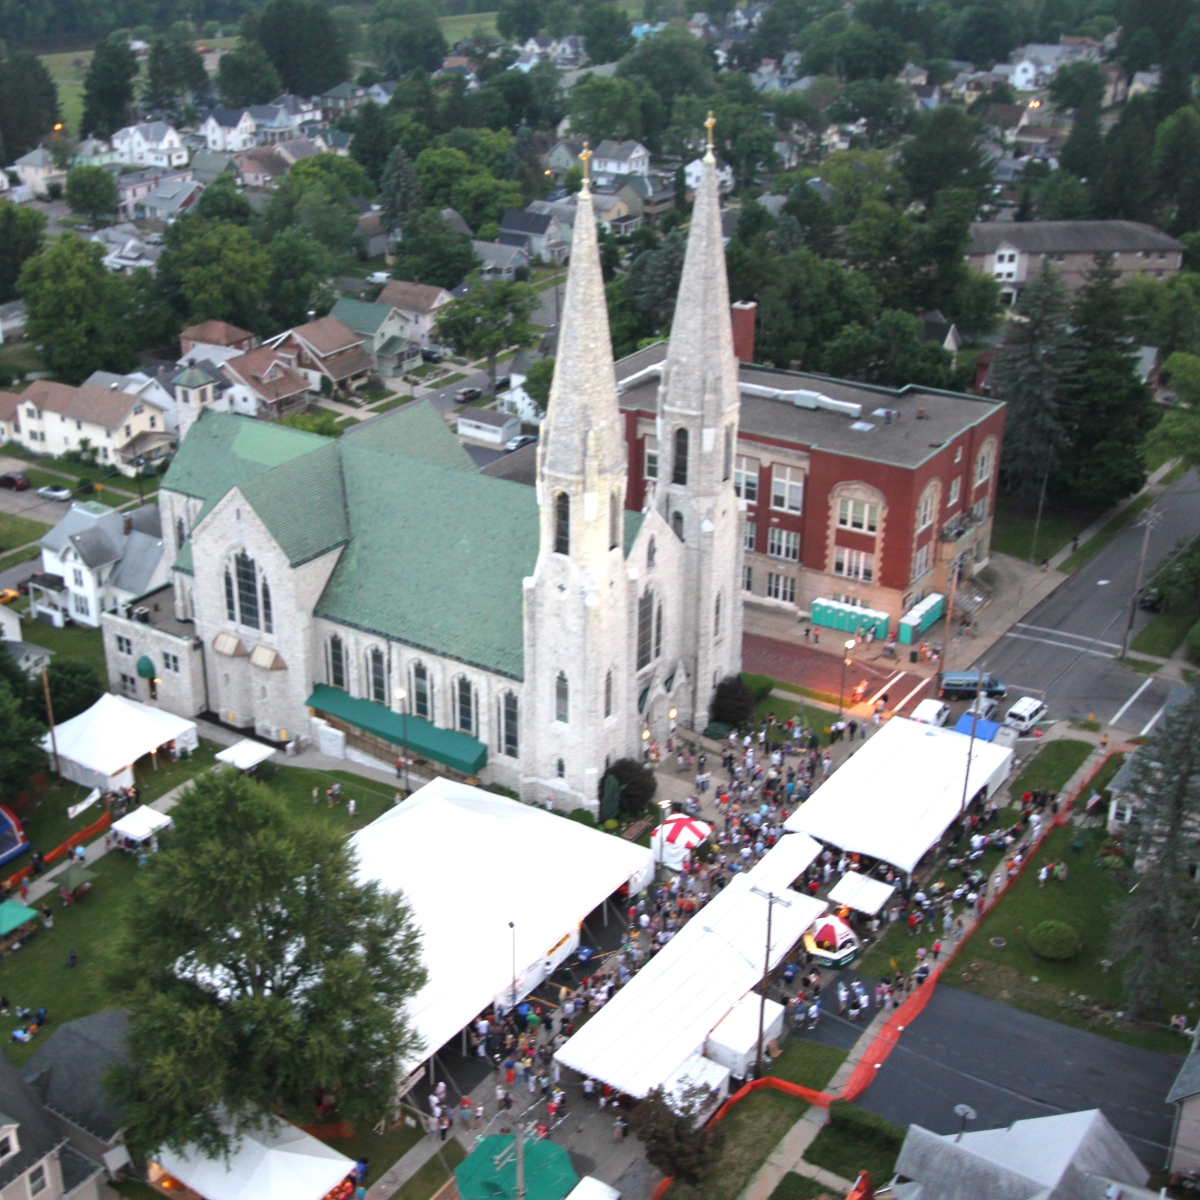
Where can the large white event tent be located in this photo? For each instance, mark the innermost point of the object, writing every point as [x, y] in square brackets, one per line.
[99, 747]
[895, 797]
[793, 854]
[861, 893]
[469, 862]
[655, 1028]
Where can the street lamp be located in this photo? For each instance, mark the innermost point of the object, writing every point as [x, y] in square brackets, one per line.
[845, 663]
[966, 1113]
[401, 696]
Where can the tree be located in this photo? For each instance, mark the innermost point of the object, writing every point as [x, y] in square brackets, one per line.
[406, 34]
[481, 199]
[1078, 84]
[299, 267]
[399, 189]
[75, 685]
[606, 36]
[432, 252]
[439, 170]
[214, 270]
[28, 103]
[76, 309]
[251, 949]
[221, 201]
[519, 20]
[91, 192]
[174, 69]
[946, 150]
[1154, 923]
[604, 107]
[1083, 154]
[1063, 198]
[1124, 188]
[1177, 151]
[20, 753]
[883, 106]
[888, 352]
[492, 316]
[323, 422]
[675, 1140]
[108, 89]
[246, 75]
[371, 144]
[636, 786]
[733, 702]
[537, 384]
[21, 231]
[673, 63]
[301, 41]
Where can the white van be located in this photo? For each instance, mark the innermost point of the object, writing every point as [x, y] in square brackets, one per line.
[931, 712]
[1025, 714]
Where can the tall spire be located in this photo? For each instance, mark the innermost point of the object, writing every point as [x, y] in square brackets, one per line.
[700, 374]
[583, 419]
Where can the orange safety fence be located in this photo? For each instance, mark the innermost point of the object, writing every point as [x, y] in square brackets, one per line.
[77, 838]
[820, 1099]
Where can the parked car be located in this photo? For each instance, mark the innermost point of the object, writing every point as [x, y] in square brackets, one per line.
[503, 383]
[9, 595]
[983, 707]
[1152, 600]
[962, 685]
[379, 277]
[466, 395]
[522, 439]
[54, 491]
[931, 712]
[431, 354]
[1025, 714]
[16, 481]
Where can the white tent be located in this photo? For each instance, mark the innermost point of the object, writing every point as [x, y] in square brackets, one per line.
[280, 1162]
[646, 1033]
[790, 857]
[734, 1043]
[896, 796]
[861, 893]
[141, 824]
[245, 755]
[99, 747]
[677, 835]
[591, 1188]
[469, 862]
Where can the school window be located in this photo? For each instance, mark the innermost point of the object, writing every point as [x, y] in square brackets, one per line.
[170, 662]
[745, 479]
[608, 694]
[955, 488]
[658, 633]
[80, 604]
[378, 676]
[751, 536]
[510, 744]
[562, 698]
[983, 466]
[787, 488]
[645, 629]
[422, 697]
[781, 587]
[921, 561]
[124, 645]
[747, 579]
[783, 543]
[78, 575]
[651, 458]
[728, 452]
[853, 564]
[562, 523]
[128, 685]
[926, 509]
[37, 1179]
[680, 467]
[979, 508]
[466, 706]
[857, 514]
[337, 662]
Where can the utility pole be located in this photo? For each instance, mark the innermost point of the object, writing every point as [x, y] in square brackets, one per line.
[962, 808]
[50, 719]
[1037, 524]
[1149, 521]
[771, 900]
[942, 666]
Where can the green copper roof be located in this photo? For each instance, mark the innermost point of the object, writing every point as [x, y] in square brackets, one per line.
[360, 315]
[417, 431]
[436, 558]
[633, 526]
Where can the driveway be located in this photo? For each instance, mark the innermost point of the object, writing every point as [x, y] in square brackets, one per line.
[1009, 1065]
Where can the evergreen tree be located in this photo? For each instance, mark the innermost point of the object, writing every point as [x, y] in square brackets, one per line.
[302, 43]
[247, 76]
[1083, 155]
[28, 103]
[21, 230]
[399, 189]
[20, 753]
[108, 89]
[370, 144]
[1155, 921]
[1124, 188]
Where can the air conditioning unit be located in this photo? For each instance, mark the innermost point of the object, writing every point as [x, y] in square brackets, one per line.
[142, 614]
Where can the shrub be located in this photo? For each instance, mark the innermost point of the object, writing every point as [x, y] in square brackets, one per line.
[637, 786]
[582, 816]
[1055, 940]
[733, 701]
[1193, 643]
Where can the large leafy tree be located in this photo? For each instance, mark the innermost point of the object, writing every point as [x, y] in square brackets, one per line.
[214, 270]
[676, 1141]
[221, 201]
[888, 352]
[405, 34]
[91, 191]
[108, 89]
[371, 144]
[75, 685]
[673, 63]
[493, 316]
[28, 103]
[21, 231]
[77, 309]
[20, 753]
[246, 75]
[300, 266]
[399, 189]
[302, 43]
[259, 970]
[432, 252]
[1155, 921]
[606, 36]
[174, 70]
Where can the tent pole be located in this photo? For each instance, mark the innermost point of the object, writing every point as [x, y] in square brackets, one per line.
[50, 718]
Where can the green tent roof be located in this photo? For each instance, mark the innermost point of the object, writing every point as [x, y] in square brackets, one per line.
[548, 1171]
[13, 916]
[458, 751]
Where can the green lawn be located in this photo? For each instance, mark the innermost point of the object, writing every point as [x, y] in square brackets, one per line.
[456, 28]
[812, 717]
[865, 1143]
[383, 1150]
[810, 1064]
[1080, 991]
[296, 785]
[19, 556]
[433, 1175]
[1164, 632]
[1012, 528]
[20, 356]
[457, 377]
[1051, 767]
[18, 531]
[761, 682]
[394, 402]
[72, 641]
[799, 1187]
[68, 71]
[1094, 545]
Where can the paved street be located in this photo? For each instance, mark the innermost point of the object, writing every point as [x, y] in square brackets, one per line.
[1065, 649]
[443, 399]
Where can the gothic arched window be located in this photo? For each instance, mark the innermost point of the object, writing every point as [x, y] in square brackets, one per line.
[562, 523]
[658, 633]
[717, 617]
[679, 472]
[378, 673]
[562, 698]
[561, 769]
[728, 452]
[230, 605]
[677, 524]
[465, 698]
[180, 533]
[509, 730]
[247, 589]
[267, 616]
[337, 662]
[651, 553]
[608, 694]
[614, 521]
[422, 692]
[645, 631]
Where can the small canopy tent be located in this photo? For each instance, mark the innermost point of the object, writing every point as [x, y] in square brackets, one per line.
[490, 1171]
[277, 1162]
[245, 755]
[861, 893]
[675, 837]
[591, 1188]
[140, 825]
[99, 747]
[13, 915]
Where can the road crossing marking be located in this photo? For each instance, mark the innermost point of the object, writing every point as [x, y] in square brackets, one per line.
[1062, 645]
[1121, 711]
[1083, 637]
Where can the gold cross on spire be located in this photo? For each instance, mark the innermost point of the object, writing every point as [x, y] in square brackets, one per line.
[585, 157]
[710, 156]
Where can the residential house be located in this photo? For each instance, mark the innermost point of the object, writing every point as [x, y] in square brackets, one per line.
[342, 100]
[94, 560]
[198, 384]
[229, 129]
[926, 97]
[147, 387]
[913, 76]
[262, 166]
[1065, 1156]
[124, 430]
[272, 123]
[209, 165]
[304, 110]
[418, 303]
[294, 149]
[135, 186]
[1116, 83]
[456, 221]
[937, 329]
[693, 170]
[563, 212]
[170, 200]
[37, 170]
[151, 144]
[372, 237]
[1143, 82]
[12, 321]
[29, 656]
[1012, 252]
[381, 93]
[262, 383]
[94, 152]
[338, 141]
[619, 158]
[1185, 1095]
[325, 349]
[460, 65]
[38, 1163]
[568, 79]
[499, 261]
[384, 332]
[613, 212]
[198, 340]
[541, 233]
[10, 417]
[487, 426]
[564, 155]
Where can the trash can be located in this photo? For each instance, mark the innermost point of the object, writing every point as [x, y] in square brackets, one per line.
[914, 656]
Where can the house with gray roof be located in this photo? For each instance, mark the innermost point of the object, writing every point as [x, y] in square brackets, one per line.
[500, 261]
[384, 331]
[209, 165]
[1185, 1095]
[125, 249]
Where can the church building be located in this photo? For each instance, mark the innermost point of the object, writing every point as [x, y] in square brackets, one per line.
[377, 592]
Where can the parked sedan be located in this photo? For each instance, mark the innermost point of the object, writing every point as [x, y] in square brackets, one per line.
[54, 492]
[522, 439]
[467, 394]
[16, 481]
[379, 277]
[9, 595]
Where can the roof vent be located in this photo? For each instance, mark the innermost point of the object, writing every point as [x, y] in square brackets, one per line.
[112, 387]
[862, 426]
[922, 415]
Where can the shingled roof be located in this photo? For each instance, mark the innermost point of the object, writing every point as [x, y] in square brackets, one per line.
[1069, 237]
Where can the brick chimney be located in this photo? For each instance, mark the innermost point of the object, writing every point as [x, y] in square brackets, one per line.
[742, 313]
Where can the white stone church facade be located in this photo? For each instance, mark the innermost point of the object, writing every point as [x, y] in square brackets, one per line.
[377, 591]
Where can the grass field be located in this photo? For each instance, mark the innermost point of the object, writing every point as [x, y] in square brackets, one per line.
[17, 531]
[68, 72]
[798, 1187]
[464, 25]
[845, 1147]
[19, 556]
[73, 641]
[1164, 632]
[1051, 767]
[1012, 529]
[382, 1149]
[812, 717]
[809, 1064]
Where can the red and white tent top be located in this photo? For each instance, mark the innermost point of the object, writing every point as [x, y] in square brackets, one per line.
[682, 830]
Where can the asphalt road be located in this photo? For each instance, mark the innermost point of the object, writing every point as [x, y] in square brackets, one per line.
[444, 398]
[1009, 1065]
[1066, 649]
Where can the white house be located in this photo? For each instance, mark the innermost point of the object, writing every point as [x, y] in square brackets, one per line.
[693, 171]
[37, 170]
[125, 250]
[12, 321]
[487, 426]
[94, 559]
[230, 129]
[151, 144]
[419, 302]
[619, 158]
